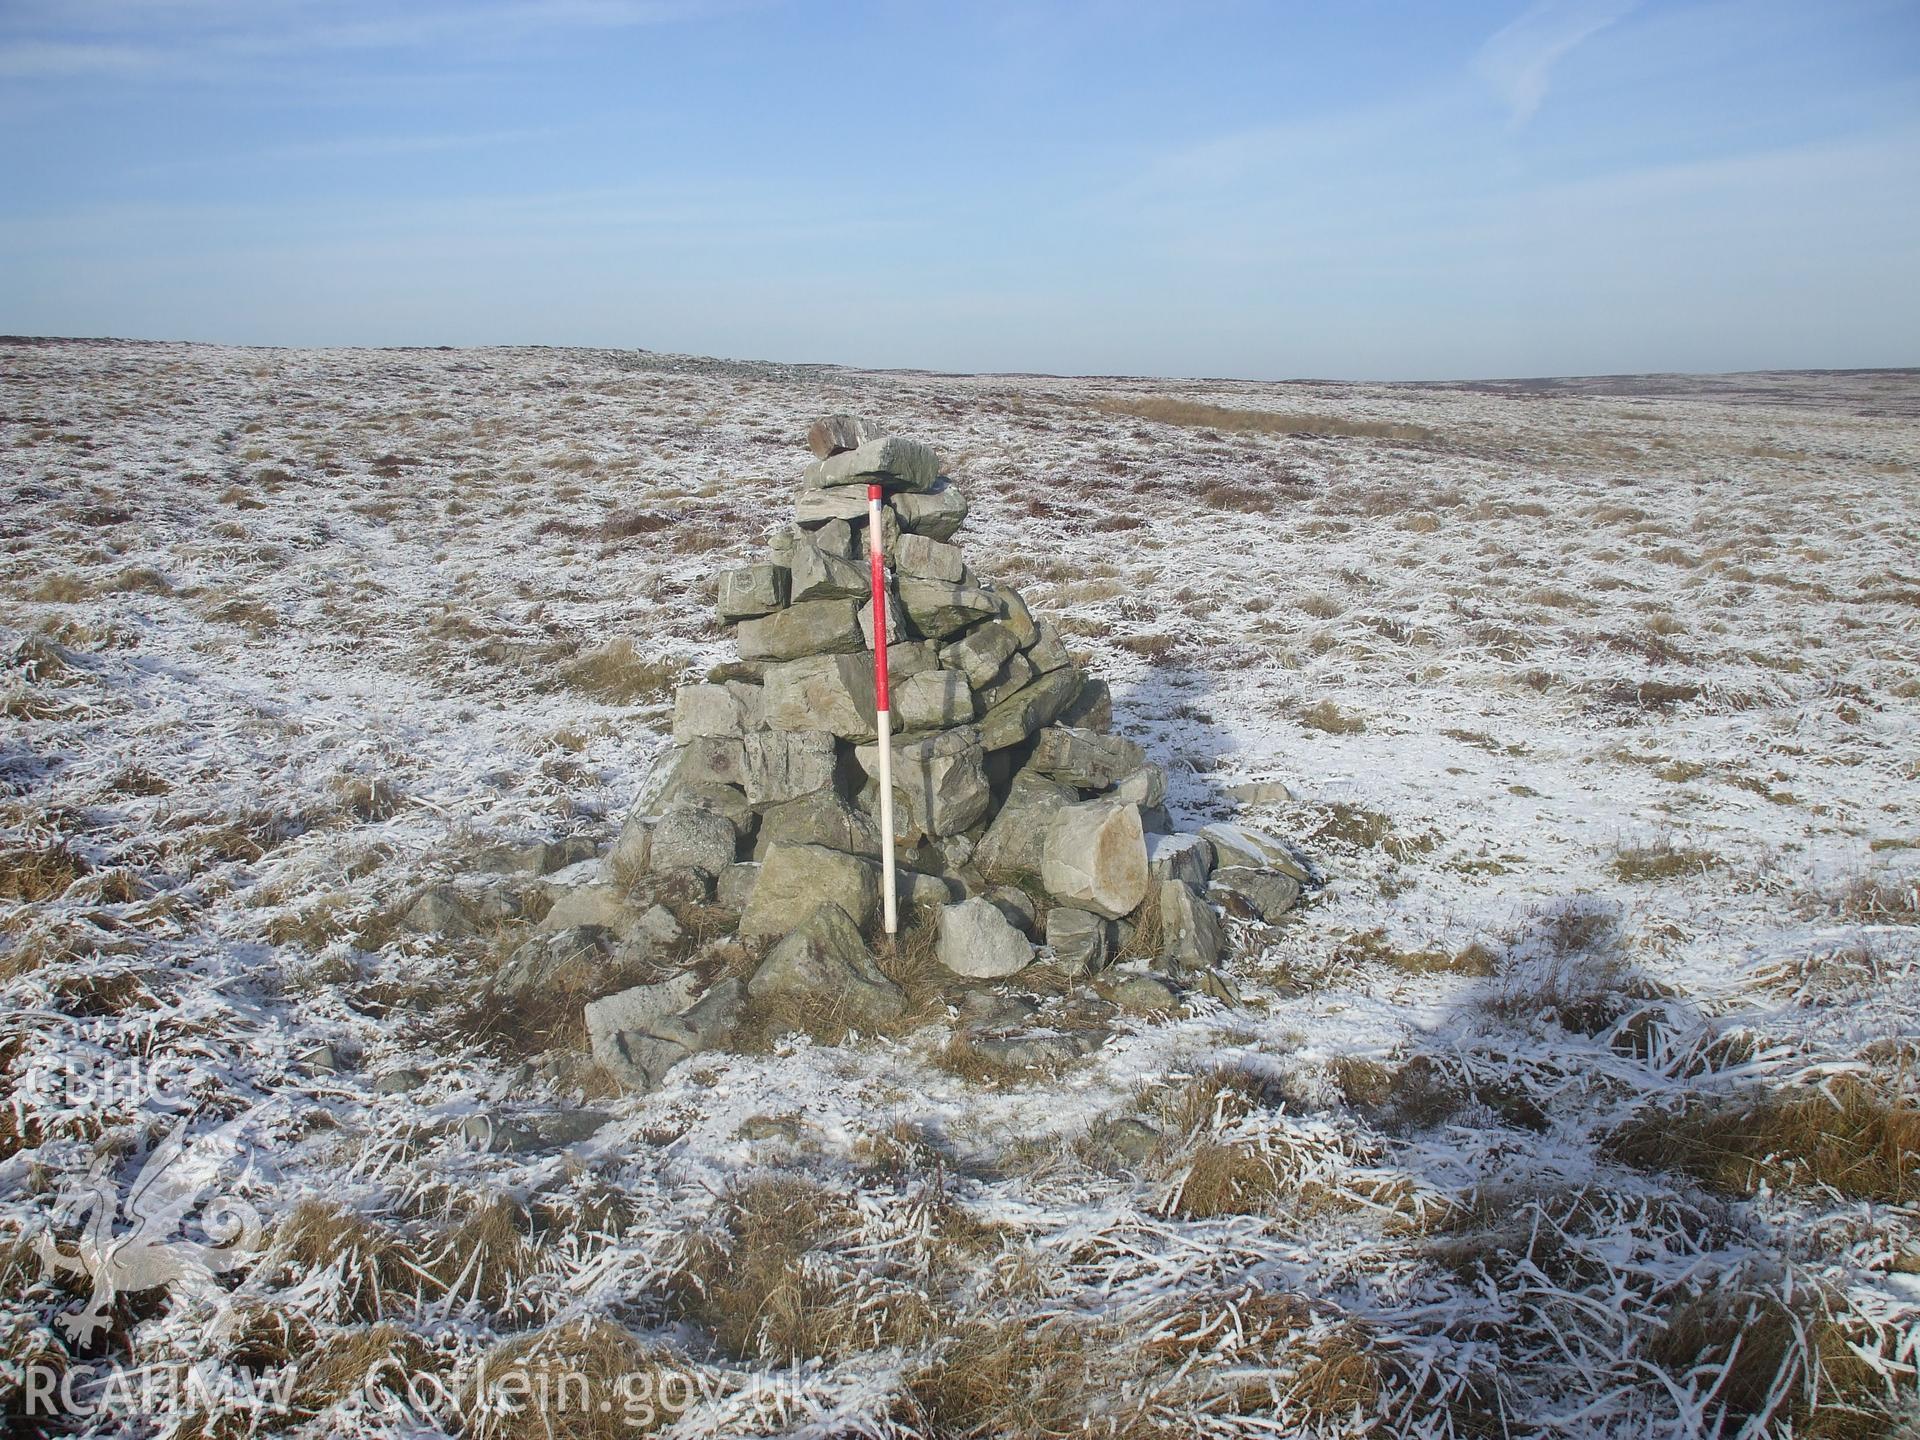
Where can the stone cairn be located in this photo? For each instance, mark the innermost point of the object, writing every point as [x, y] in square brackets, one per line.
[1020, 819]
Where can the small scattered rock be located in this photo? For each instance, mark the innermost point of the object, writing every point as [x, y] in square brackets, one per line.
[1191, 936]
[1081, 941]
[1255, 894]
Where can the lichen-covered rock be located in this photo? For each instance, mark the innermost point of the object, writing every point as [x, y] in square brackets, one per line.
[1256, 894]
[1048, 652]
[1028, 710]
[735, 886]
[817, 627]
[925, 558]
[939, 783]
[731, 709]
[797, 879]
[1142, 994]
[729, 801]
[822, 692]
[1086, 759]
[932, 700]
[1091, 708]
[813, 507]
[1014, 613]
[981, 652]
[821, 818]
[824, 961]
[1009, 680]
[1014, 842]
[692, 837]
[978, 941]
[938, 514]
[751, 591]
[1095, 858]
[936, 609]
[1191, 937]
[1081, 940]
[779, 765]
[817, 574]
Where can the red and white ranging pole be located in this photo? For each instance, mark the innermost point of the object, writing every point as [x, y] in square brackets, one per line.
[876, 549]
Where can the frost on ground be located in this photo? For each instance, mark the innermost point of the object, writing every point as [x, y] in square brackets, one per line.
[1580, 1101]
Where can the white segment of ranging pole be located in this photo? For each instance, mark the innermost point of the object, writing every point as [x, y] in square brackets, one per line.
[883, 719]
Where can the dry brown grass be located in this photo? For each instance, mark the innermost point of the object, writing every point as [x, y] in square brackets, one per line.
[585, 1379]
[41, 870]
[1330, 719]
[616, 673]
[1848, 1136]
[1193, 414]
[1771, 1367]
[1662, 860]
[781, 1281]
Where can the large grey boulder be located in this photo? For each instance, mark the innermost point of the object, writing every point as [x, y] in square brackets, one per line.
[1081, 940]
[619, 1030]
[735, 886]
[893, 461]
[939, 783]
[932, 700]
[981, 652]
[797, 879]
[1085, 759]
[750, 591]
[824, 962]
[906, 658]
[1254, 893]
[1095, 858]
[1028, 709]
[821, 818]
[925, 558]
[822, 692]
[820, 575]
[781, 765]
[1191, 936]
[692, 837]
[978, 941]
[937, 609]
[818, 627]
[1091, 708]
[1014, 842]
[1182, 857]
[1243, 845]
[938, 514]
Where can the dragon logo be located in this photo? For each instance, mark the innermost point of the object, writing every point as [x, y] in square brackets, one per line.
[152, 1250]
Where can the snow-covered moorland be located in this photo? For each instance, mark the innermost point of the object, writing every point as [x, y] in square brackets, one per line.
[1580, 1100]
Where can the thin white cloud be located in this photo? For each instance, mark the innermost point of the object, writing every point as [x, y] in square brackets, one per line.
[1518, 60]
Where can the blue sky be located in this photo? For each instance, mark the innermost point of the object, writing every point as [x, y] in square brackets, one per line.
[1353, 190]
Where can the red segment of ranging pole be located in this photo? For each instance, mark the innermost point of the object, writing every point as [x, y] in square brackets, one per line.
[883, 720]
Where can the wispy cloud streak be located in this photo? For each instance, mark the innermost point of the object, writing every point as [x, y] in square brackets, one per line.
[1518, 60]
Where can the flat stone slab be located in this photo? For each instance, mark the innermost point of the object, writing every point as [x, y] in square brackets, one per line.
[893, 461]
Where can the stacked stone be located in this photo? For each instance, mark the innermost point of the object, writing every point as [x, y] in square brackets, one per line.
[1018, 815]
